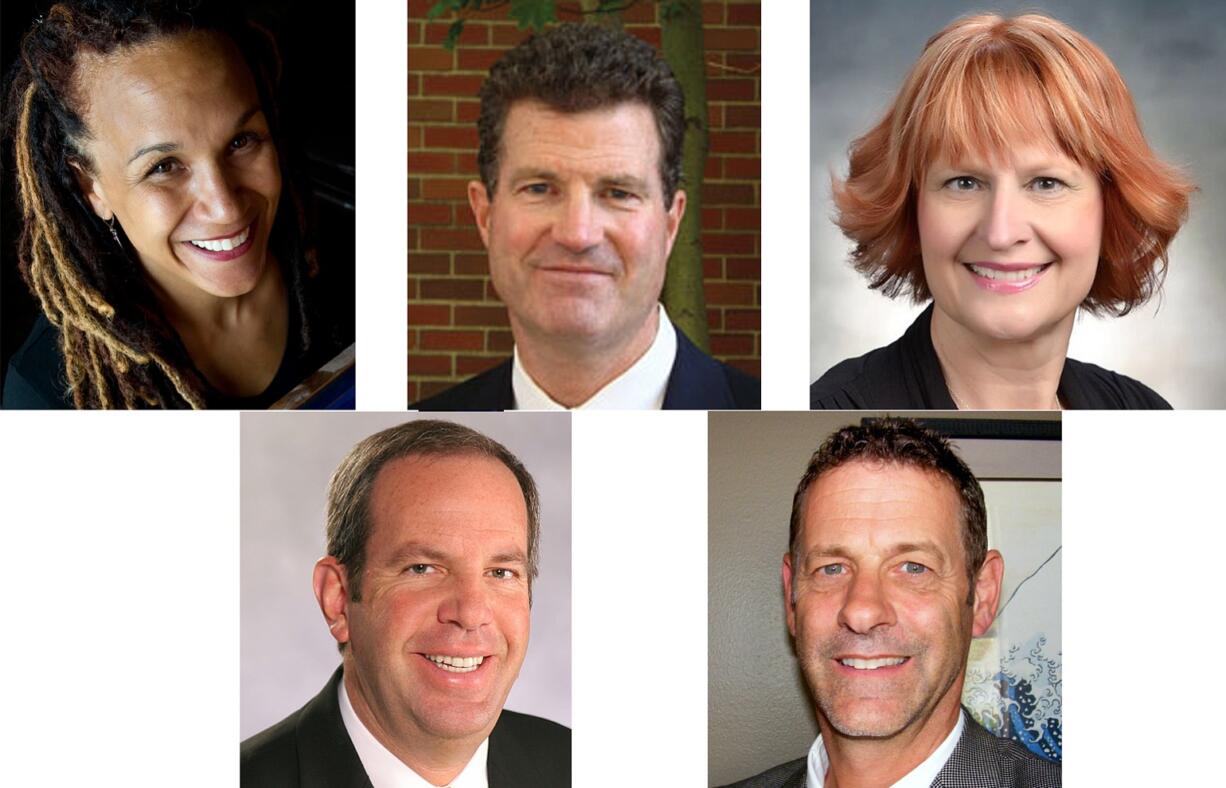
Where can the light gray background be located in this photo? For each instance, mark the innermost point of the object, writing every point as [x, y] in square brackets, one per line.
[286, 461]
[1172, 56]
[758, 710]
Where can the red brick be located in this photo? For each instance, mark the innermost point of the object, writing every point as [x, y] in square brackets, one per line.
[743, 62]
[727, 243]
[415, 136]
[715, 115]
[649, 34]
[450, 240]
[481, 316]
[431, 109]
[466, 162]
[478, 59]
[734, 142]
[742, 218]
[414, 85]
[451, 289]
[429, 213]
[472, 264]
[467, 111]
[714, 168]
[429, 388]
[429, 365]
[728, 194]
[430, 58]
[423, 162]
[732, 344]
[466, 85]
[414, 188]
[639, 13]
[475, 365]
[474, 33]
[445, 188]
[712, 14]
[745, 15]
[712, 268]
[743, 268]
[429, 263]
[412, 280]
[743, 319]
[412, 390]
[712, 218]
[743, 167]
[715, 319]
[452, 340]
[742, 116]
[413, 238]
[419, 8]
[732, 89]
[429, 314]
[748, 366]
[507, 35]
[499, 341]
[730, 293]
[464, 137]
[730, 38]
[414, 33]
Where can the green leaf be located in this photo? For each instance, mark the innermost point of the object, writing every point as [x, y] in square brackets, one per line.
[453, 34]
[443, 6]
[533, 13]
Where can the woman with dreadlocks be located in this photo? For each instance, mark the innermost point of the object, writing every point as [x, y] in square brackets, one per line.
[161, 236]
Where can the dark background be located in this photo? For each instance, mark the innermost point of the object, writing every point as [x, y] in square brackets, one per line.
[318, 114]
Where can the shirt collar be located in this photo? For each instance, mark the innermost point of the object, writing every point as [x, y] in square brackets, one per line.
[919, 777]
[641, 387]
[385, 770]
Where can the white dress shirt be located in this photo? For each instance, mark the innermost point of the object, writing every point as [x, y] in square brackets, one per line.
[919, 777]
[641, 387]
[385, 770]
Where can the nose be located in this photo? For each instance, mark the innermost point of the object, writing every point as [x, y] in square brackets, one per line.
[577, 227]
[466, 605]
[1006, 223]
[866, 605]
[217, 195]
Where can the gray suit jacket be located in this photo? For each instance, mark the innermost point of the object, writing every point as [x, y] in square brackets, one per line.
[980, 760]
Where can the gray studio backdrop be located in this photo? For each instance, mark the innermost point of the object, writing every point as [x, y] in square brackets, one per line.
[1173, 57]
[759, 712]
[287, 459]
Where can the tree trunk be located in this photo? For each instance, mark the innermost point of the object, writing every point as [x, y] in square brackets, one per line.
[593, 16]
[681, 26]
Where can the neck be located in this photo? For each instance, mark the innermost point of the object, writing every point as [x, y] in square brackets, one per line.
[438, 760]
[858, 762]
[986, 373]
[572, 371]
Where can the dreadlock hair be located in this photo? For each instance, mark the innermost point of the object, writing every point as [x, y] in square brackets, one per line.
[118, 348]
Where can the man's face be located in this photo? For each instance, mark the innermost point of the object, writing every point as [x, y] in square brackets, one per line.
[881, 620]
[577, 232]
[441, 631]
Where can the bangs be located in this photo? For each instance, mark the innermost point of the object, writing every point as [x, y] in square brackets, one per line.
[983, 101]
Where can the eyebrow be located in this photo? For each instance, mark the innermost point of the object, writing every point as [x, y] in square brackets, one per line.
[604, 182]
[839, 551]
[413, 550]
[168, 147]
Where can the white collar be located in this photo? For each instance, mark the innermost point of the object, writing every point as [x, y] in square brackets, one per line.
[385, 770]
[919, 777]
[641, 387]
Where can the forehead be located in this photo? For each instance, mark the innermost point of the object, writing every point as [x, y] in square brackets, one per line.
[469, 500]
[619, 137]
[869, 504]
[168, 86]
[1020, 156]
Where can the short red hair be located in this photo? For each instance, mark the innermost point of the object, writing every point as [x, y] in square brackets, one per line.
[980, 85]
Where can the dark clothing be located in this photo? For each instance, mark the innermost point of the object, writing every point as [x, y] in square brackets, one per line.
[906, 374]
[979, 760]
[697, 382]
[37, 380]
[311, 749]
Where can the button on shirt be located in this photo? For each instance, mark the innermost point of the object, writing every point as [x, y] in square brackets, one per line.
[385, 770]
[641, 387]
[919, 777]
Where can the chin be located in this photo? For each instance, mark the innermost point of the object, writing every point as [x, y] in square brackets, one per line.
[863, 721]
[230, 279]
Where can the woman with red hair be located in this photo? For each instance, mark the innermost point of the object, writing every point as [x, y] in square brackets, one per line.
[1009, 183]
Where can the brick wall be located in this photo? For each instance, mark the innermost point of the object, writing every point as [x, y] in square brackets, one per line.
[457, 325]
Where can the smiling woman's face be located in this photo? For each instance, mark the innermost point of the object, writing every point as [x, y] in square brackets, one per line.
[1010, 248]
[183, 160]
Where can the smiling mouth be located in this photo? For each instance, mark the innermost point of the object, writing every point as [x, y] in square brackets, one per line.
[872, 664]
[225, 244]
[1007, 274]
[456, 664]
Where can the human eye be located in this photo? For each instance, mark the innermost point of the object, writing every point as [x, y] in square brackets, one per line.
[962, 183]
[831, 570]
[620, 195]
[913, 568]
[419, 569]
[163, 167]
[1047, 185]
[245, 140]
[503, 573]
[535, 189]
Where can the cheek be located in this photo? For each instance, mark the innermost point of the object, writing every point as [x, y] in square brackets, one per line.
[943, 230]
[155, 217]
[1076, 234]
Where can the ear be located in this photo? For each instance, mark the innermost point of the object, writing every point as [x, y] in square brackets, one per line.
[788, 602]
[332, 593]
[675, 214]
[91, 187]
[987, 592]
[479, 200]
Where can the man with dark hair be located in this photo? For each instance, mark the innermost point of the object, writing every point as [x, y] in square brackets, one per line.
[432, 550]
[581, 131]
[887, 578]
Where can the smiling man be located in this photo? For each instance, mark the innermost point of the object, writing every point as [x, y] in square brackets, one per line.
[432, 550]
[887, 579]
[581, 132]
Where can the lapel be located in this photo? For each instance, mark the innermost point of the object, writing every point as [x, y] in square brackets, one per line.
[697, 381]
[326, 756]
[973, 763]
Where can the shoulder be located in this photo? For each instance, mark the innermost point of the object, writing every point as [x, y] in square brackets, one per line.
[700, 382]
[270, 758]
[1104, 389]
[785, 775]
[862, 382]
[981, 757]
[528, 750]
[36, 378]
[491, 390]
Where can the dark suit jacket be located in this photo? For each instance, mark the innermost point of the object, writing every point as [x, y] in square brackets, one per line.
[979, 760]
[697, 382]
[311, 749]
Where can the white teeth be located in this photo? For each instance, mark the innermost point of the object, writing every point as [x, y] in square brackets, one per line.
[456, 664]
[1020, 275]
[224, 244]
[872, 664]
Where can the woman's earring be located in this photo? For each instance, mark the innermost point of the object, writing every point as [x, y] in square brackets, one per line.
[115, 235]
